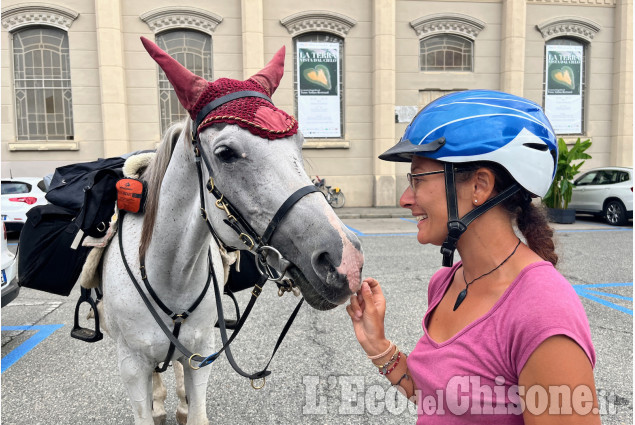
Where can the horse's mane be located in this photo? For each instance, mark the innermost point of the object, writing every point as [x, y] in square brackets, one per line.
[153, 176]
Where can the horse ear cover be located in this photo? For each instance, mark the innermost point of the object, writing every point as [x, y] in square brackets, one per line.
[257, 115]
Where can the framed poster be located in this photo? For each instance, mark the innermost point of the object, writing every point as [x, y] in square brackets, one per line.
[319, 105]
[563, 91]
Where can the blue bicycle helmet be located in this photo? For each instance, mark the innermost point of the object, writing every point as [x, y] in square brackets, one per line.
[482, 125]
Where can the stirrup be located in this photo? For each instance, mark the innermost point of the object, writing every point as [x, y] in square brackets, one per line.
[85, 334]
[229, 323]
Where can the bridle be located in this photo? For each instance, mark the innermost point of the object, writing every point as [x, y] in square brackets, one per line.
[258, 244]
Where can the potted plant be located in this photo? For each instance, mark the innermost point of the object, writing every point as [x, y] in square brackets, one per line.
[559, 195]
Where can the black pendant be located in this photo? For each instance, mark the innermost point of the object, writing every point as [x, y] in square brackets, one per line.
[460, 299]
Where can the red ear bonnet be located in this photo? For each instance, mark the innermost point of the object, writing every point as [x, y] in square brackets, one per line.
[255, 114]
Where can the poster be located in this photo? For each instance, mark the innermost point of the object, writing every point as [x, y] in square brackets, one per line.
[319, 106]
[563, 94]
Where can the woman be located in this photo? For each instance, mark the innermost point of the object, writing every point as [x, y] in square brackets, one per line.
[506, 339]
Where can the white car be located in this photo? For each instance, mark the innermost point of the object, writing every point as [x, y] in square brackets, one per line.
[10, 288]
[19, 195]
[605, 192]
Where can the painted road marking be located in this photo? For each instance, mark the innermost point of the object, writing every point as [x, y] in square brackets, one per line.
[587, 292]
[41, 333]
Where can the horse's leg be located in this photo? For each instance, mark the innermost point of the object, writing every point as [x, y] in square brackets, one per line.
[181, 409]
[159, 394]
[196, 389]
[136, 373]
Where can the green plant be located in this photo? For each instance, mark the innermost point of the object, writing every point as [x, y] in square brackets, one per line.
[559, 194]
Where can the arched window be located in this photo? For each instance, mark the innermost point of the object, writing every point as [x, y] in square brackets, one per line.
[42, 81]
[446, 52]
[193, 50]
[565, 84]
[319, 87]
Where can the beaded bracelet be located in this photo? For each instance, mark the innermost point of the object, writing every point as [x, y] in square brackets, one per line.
[386, 372]
[379, 356]
[392, 359]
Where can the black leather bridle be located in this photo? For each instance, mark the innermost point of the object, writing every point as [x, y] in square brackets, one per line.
[257, 244]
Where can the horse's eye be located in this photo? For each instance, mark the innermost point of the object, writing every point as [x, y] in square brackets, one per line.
[225, 154]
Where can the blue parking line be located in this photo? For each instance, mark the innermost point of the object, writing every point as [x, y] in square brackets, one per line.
[604, 285]
[584, 291]
[410, 220]
[41, 333]
[604, 294]
[357, 232]
[362, 234]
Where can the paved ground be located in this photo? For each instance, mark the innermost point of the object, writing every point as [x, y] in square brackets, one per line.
[320, 375]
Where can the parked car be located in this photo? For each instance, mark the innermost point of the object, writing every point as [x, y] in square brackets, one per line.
[10, 288]
[605, 192]
[19, 195]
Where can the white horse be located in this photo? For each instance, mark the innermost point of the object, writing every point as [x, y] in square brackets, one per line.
[256, 175]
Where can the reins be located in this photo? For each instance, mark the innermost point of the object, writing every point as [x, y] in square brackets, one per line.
[255, 243]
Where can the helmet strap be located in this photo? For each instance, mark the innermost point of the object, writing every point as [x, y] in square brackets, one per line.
[457, 226]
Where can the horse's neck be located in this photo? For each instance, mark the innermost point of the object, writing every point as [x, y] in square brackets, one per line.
[180, 239]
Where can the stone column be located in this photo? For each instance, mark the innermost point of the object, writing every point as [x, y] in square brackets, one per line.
[253, 37]
[112, 77]
[384, 100]
[622, 125]
[513, 19]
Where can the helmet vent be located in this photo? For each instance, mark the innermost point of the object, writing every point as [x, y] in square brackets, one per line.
[538, 146]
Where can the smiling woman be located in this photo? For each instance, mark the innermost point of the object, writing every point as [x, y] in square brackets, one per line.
[502, 321]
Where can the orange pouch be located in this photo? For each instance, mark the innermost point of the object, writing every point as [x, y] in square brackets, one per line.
[131, 195]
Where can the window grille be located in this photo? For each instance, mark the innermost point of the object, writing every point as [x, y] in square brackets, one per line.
[193, 50]
[42, 81]
[446, 52]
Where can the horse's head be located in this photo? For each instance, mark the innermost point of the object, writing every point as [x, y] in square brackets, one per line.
[254, 153]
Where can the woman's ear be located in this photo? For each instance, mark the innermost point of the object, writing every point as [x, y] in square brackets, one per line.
[483, 182]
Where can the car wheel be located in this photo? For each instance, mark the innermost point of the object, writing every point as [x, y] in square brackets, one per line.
[615, 213]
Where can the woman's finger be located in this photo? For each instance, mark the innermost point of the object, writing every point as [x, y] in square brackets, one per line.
[375, 287]
[367, 295]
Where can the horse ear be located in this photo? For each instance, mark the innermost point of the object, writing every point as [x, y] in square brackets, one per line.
[269, 77]
[187, 85]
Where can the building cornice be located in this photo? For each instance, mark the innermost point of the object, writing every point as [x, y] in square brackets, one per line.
[168, 18]
[569, 26]
[447, 23]
[27, 14]
[318, 21]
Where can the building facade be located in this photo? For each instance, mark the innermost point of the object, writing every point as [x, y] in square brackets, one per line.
[78, 85]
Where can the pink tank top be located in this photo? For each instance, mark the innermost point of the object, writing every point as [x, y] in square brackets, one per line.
[472, 378]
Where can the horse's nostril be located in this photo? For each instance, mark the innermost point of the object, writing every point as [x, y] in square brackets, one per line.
[323, 265]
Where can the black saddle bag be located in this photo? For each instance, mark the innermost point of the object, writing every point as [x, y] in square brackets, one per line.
[51, 255]
[46, 260]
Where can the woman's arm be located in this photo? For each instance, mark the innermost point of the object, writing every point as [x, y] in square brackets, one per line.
[367, 311]
[557, 386]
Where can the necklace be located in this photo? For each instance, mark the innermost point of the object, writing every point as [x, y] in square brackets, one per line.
[463, 293]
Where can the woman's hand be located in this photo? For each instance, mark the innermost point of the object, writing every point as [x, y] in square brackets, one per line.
[367, 310]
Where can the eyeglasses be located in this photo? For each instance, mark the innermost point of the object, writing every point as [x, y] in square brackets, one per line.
[412, 178]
